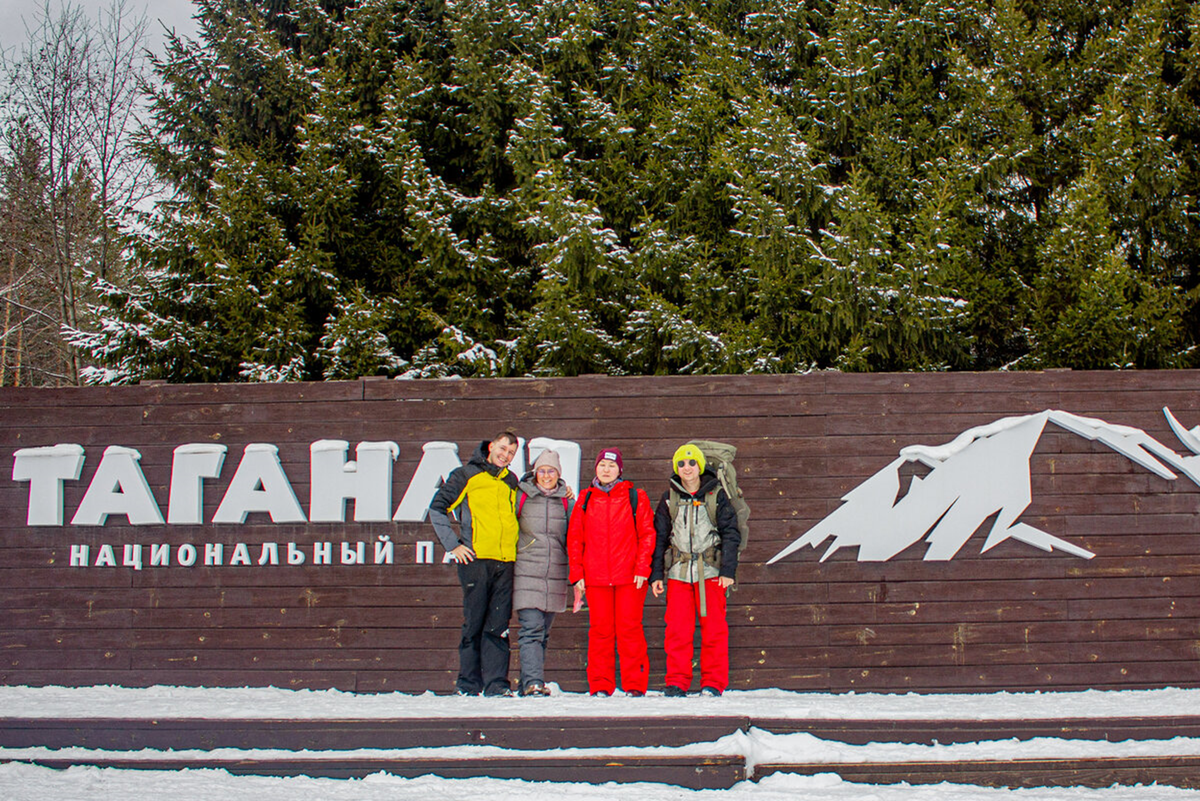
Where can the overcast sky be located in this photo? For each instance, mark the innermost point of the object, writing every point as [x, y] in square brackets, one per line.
[177, 14]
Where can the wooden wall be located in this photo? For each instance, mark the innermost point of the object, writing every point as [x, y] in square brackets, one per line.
[1015, 618]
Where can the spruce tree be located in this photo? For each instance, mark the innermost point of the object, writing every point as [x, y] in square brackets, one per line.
[532, 187]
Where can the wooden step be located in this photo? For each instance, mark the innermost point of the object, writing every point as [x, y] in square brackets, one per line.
[695, 772]
[860, 732]
[541, 733]
[1176, 771]
[547, 733]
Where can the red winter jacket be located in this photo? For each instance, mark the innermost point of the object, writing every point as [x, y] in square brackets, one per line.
[604, 546]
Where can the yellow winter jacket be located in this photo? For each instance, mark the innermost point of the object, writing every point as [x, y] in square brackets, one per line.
[486, 497]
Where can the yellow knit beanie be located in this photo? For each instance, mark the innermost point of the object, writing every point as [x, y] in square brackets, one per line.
[688, 451]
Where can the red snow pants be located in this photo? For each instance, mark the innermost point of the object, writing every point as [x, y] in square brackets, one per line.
[615, 623]
[683, 606]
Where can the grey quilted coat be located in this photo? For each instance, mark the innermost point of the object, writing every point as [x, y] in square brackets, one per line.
[540, 577]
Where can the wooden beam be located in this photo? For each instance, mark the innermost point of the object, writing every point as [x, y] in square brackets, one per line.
[1181, 772]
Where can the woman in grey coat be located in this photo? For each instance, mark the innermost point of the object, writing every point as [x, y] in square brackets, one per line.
[540, 578]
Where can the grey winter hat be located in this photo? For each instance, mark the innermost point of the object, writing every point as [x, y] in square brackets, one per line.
[548, 459]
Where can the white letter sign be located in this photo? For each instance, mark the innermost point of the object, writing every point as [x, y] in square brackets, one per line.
[191, 465]
[118, 488]
[46, 469]
[368, 481]
[259, 485]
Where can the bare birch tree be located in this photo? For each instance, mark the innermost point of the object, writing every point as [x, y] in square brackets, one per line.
[123, 179]
[72, 176]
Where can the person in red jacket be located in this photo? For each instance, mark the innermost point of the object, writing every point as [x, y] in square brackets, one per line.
[610, 542]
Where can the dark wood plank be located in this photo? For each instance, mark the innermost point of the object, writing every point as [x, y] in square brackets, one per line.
[1013, 618]
[541, 733]
[519, 733]
[928, 732]
[698, 773]
[1174, 771]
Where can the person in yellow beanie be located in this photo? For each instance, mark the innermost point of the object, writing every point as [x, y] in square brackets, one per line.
[697, 552]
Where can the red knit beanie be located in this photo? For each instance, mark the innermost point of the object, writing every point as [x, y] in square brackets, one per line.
[613, 455]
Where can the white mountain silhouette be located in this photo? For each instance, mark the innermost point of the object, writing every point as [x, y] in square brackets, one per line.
[983, 472]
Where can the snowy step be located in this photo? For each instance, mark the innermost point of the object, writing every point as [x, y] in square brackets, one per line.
[687, 751]
[696, 772]
[533, 733]
[1037, 762]
[526, 733]
[1178, 771]
[859, 731]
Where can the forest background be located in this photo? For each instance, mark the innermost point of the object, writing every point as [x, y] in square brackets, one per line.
[324, 189]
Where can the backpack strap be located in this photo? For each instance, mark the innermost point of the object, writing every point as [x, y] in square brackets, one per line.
[712, 556]
[521, 502]
[633, 501]
[710, 503]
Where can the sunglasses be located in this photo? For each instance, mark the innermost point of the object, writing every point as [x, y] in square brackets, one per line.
[687, 463]
[547, 471]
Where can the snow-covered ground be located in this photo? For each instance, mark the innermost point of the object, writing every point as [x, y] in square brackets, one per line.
[270, 703]
[19, 781]
[27, 783]
[757, 747]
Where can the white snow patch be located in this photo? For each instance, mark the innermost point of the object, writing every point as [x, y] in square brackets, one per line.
[265, 703]
[24, 782]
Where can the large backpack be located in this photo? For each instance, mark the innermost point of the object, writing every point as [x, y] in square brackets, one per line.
[719, 456]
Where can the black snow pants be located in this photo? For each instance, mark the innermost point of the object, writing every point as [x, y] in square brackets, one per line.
[483, 654]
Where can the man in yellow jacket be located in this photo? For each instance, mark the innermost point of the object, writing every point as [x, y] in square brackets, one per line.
[484, 492]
